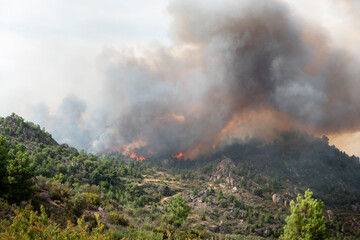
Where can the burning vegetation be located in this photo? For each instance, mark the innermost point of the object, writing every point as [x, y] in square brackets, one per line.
[139, 158]
[178, 156]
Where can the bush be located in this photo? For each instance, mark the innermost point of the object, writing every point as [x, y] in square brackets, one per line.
[203, 216]
[117, 218]
[89, 188]
[58, 191]
[268, 218]
[79, 203]
[258, 191]
[27, 224]
[93, 198]
[5, 208]
[223, 203]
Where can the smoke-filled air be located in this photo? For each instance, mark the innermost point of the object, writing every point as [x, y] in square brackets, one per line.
[234, 69]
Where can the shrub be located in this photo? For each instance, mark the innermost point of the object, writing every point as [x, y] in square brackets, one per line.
[27, 224]
[258, 191]
[268, 218]
[79, 203]
[89, 188]
[58, 191]
[117, 218]
[93, 198]
[223, 203]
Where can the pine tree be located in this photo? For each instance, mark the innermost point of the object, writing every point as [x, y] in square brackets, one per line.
[179, 209]
[306, 220]
[19, 177]
[16, 173]
[4, 150]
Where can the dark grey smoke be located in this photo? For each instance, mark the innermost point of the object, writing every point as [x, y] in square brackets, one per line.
[228, 58]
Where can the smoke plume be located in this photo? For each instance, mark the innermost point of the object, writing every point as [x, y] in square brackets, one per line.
[235, 68]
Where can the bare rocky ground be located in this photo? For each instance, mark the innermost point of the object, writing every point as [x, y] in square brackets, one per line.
[253, 213]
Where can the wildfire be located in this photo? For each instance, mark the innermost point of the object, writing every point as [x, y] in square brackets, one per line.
[214, 146]
[139, 158]
[178, 156]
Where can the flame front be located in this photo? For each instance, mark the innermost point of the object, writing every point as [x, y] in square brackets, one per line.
[178, 156]
[139, 158]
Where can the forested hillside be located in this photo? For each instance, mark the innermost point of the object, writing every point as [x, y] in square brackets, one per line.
[243, 191]
[304, 161]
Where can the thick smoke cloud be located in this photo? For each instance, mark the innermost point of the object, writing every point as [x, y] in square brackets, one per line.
[232, 64]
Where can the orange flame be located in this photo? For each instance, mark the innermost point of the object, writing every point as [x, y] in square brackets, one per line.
[178, 156]
[139, 158]
[214, 146]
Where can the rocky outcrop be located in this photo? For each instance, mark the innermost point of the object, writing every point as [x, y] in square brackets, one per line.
[330, 215]
[276, 198]
[224, 171]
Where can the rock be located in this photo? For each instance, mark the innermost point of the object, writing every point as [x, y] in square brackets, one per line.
[224, 172]
[64, 145]
[214, 228]
[44, 196]
[330, 215]
[354, 208]
[276, 198]
[268, 232]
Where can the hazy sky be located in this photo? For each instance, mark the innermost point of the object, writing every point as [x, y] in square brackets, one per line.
[49, 49]
[52, 48]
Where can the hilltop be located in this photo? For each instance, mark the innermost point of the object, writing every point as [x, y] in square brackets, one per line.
[29, 134]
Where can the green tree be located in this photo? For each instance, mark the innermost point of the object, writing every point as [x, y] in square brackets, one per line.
[4, 150]
[16, 173]
[19, 177]
[306, 220]
[179, 209]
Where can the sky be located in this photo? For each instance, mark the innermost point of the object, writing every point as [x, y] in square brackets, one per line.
[51, 49]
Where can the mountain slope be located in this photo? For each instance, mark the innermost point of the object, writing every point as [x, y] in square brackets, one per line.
[243, 189]
[303, 160]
